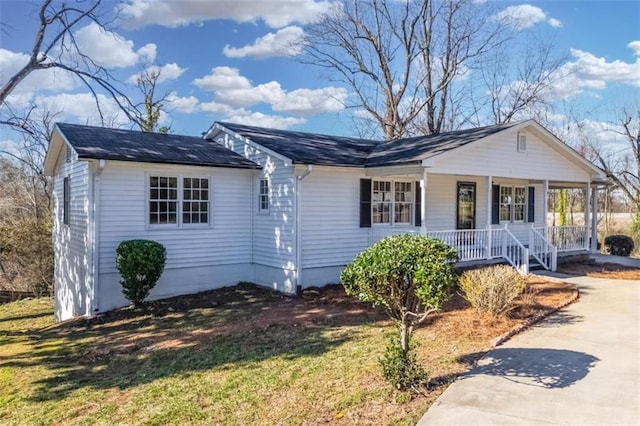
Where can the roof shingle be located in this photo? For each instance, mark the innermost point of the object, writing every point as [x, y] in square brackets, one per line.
[130, 145]
[311, 148]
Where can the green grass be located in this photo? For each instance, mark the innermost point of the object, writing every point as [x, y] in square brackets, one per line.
[231, 362]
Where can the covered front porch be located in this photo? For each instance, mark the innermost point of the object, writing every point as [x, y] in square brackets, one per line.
[485, 218]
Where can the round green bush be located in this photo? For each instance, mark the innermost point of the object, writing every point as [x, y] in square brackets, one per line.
[410, 276]
[140, 263]
[619, 245]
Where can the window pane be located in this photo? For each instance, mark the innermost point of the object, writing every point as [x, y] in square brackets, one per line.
[204, 184]
[173, 182]
[204, 217]
[187, 194]
[186, 183]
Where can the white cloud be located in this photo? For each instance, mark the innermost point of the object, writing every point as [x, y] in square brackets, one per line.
[264, 120]
[234, 90]
[167, 72]
[555, 23]
[107, 48]
[172, 13]
[51, 79]
[525, 16]
[81, 107]
[285, 42]
[183, 104]
[312, 101]
[635, 46]
[148, 52]
[587, 72]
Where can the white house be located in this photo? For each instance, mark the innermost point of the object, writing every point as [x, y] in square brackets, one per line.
[289, 209]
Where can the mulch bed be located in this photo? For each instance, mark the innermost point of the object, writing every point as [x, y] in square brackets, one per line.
[600, 270]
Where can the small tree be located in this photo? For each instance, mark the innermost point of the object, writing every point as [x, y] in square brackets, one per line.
[411, 276]
[140, 263]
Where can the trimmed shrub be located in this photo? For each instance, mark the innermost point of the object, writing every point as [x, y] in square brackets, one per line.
[140, 263]
[619, 245]
[492, 289]
[410, 276]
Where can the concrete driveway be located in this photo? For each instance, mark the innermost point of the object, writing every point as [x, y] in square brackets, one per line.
[579, 366]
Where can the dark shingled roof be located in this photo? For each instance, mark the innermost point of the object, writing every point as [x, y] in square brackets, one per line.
[308, 148]
[413, 150]
[130, 145]
[311, 148]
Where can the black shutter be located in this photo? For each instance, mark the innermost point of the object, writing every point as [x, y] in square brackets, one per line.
[531, 206]
[495, 204]
[365, 203]
[418, 206]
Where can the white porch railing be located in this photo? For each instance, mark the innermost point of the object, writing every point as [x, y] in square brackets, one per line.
[542, 250]
[514, 252]
[471, 244]
[482, 244]
[566, 238]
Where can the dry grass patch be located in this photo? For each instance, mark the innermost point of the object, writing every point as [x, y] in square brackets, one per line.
[241, 355]
[601, 270]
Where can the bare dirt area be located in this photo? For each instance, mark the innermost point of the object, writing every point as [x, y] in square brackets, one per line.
[601, 270]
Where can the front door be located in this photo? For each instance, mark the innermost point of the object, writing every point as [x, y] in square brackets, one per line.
[466, 206]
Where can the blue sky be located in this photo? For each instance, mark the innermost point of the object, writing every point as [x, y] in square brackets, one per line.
[229, 60]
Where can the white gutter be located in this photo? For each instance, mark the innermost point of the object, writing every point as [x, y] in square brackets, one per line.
[95, 232]
[298, 227]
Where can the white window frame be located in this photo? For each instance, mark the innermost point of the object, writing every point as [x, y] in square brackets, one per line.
[66, 200]
[264, 196]
[512, 203]
[179, 202]
[392, 203]
[522, 142]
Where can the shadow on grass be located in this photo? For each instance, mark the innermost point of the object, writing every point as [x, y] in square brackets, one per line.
[231, 327]
[548, 368]
[24, 317]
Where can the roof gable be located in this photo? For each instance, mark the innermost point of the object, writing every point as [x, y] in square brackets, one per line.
[416, 149]
[128, 145]
[308, 148]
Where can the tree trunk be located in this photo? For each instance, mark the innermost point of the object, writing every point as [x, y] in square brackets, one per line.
[405, 331]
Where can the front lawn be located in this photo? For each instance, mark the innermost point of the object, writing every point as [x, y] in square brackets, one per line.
[241, 355]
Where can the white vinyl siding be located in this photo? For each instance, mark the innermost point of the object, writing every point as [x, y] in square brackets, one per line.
[70, 239]
[498, 156]
[123, 215]
[273, 242]
[331, 232]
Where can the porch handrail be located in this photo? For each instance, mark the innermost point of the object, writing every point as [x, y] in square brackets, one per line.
[471, 244]
[514, 252]
[566, 238]
[542, 250]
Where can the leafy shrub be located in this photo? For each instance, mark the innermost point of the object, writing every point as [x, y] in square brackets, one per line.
[140, 263]
[492, 289]
[619, 245]
[401, 368]
[410, 276]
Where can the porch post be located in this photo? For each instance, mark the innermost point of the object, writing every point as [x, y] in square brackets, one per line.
[545, 205]
[489, 216]
[594, 219]
[587, 221]
[423, 204]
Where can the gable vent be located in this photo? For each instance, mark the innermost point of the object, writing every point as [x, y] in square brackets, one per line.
[522, 142]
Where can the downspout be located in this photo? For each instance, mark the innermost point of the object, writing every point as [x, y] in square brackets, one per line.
[95, 232]
[298, 227]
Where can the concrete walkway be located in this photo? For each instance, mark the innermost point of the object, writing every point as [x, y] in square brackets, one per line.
[578, 367]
